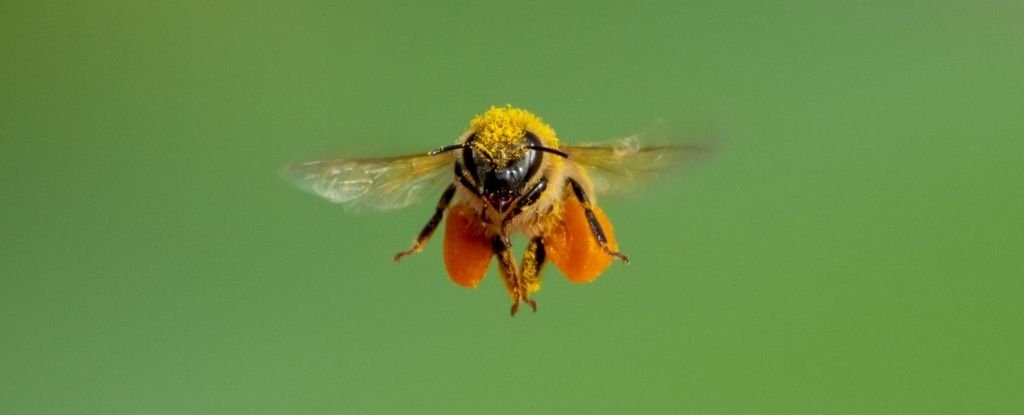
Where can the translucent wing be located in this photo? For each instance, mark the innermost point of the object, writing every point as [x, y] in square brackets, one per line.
[621, 166]
[378, 183]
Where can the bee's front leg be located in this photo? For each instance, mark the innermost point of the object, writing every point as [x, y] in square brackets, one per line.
[431, 226]
[509, 274]
[533, 261]
[595, 226]
[529, 280]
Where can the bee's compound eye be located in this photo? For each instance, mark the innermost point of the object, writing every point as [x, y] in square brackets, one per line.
[479, 166]
[532, 140]
[474, 162]
[531, 158]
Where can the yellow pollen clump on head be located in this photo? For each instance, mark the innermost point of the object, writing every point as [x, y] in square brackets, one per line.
[501, 129]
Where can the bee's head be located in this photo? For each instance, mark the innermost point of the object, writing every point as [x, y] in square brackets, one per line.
[503, 153]
[502, 172]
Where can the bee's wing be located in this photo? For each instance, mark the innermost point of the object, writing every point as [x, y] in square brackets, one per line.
[618, 167]
[379, 183]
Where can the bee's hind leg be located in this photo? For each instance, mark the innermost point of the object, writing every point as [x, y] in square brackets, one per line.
[595, 226]
[431, 226]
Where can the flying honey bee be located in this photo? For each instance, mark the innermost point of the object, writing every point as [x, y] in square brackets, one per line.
[507, 174]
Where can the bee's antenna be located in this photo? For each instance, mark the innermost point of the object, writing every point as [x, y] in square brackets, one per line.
[446, 149]
[549, 150]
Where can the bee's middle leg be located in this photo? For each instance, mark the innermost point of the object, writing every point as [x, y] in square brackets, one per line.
[431, 226]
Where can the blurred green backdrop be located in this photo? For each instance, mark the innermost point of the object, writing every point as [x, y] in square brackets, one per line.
[856, 247]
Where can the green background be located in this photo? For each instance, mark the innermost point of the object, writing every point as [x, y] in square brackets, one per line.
[854, 247]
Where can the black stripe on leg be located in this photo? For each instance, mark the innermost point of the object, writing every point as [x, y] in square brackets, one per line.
[539, 255]
[595, 225]
[442, 205]
[431, 226]
[499, 245]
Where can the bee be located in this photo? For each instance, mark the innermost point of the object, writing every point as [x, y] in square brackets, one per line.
[507, 174]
